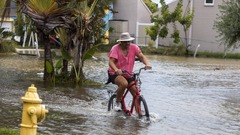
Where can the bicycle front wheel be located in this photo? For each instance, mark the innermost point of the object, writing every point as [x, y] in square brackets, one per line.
[142, 108]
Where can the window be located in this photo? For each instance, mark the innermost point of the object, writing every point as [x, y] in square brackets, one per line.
[209, 2]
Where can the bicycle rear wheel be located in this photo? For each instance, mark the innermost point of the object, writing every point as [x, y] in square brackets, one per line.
[142, 108]
[112, 102]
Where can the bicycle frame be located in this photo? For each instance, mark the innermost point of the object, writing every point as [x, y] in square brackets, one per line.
[137, 95]
[129, 112]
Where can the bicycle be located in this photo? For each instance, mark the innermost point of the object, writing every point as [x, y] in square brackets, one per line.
[138, 101]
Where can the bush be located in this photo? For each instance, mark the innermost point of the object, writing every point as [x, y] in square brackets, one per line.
[218, 55]
[7, 46]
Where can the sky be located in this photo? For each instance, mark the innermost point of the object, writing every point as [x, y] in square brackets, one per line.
[157, 1]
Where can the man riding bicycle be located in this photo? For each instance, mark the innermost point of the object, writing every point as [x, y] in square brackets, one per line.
[122, 57]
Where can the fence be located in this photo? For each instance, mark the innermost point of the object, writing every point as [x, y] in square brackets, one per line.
[141, 41]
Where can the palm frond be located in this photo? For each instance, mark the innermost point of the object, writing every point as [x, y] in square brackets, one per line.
[43, 7]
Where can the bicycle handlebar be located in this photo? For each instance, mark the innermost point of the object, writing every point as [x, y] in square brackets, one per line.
[132, 74]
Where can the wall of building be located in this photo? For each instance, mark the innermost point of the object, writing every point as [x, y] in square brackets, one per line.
[202, 27]
[202, 30]
[132, 11]
[117, 26]
[127, 10]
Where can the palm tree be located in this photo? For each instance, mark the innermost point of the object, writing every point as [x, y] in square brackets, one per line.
[87, 25]
[5, 4]
[46, 15]
[82, 18]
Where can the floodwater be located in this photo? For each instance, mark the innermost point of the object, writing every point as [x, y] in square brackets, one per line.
[185, 96]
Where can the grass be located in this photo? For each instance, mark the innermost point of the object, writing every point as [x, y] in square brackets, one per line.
[6, 131]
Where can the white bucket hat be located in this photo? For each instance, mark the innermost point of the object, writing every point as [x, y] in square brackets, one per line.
[125, 37]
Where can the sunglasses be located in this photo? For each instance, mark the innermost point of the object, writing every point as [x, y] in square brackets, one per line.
[125, 41]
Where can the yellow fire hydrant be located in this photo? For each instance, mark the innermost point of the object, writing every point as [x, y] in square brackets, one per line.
[32, 111]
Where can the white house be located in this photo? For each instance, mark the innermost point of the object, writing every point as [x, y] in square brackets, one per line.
[201, 33]
[132, 16]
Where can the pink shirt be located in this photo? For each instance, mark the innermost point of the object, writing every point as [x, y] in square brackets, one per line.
[123, 62]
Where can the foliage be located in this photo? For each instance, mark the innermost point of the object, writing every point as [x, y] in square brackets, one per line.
[48, 67]
[227, 23]
[7, 46]
[186, 21]
[5, 34]
[6, 131]
[150, 44]
[219, 55]
[161, 23]
[153, 7]
[89, 53]
[87, 22]
[46, 14]
[172, 50]
[179, 51]
[2, 3]
[175, 34]
[160, 27]
[153, 31]
[83, 21]
[5, 12]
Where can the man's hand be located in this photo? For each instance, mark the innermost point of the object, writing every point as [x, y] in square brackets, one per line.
[148, 67]
[118, 72]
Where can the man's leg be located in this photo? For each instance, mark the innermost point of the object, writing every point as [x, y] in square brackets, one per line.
[132, 89]
[133, 92]
[122, 85]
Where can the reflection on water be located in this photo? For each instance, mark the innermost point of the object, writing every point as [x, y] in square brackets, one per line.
[184, 95]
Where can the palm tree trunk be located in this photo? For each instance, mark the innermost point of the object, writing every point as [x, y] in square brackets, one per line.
[65, 62]
[48, 71]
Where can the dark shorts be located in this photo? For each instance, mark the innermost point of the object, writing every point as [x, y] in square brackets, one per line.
[113, 77]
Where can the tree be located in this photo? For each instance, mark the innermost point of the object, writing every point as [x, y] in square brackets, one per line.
[153, 7]
[46, 15]
[5, 4]
[227, 23]
[160, 27]
[186, 22]
[87, 25]
[160, 23]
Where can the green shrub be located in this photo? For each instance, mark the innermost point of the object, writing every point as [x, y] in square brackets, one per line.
[6, 131]
[7, 46]
[218, 55]
[150, 44]
[7, 34]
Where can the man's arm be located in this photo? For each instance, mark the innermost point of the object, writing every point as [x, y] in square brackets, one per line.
[114, 67]
[144, 60]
